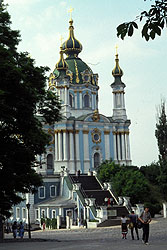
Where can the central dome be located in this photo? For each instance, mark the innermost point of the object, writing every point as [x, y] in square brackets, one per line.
[71, 47]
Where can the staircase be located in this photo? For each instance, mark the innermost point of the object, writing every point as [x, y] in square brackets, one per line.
[89, 187]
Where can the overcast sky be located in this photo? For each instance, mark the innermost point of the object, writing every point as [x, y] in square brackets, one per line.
[41, 22]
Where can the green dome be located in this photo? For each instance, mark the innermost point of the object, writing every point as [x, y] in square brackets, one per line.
[79, 71]
[72, 46]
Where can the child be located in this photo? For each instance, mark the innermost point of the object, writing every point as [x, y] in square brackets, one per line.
[124, 226]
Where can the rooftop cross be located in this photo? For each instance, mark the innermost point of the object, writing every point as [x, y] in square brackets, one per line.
[70, 11]
[116, 47]
[61, 39]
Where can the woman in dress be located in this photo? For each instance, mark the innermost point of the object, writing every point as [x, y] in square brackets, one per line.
[124, 226]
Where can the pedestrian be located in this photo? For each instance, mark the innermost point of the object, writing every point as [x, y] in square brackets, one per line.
[133, 218]
[43, 226]
[14, 229]
[145, 218]
[124, 226]
[21, 230]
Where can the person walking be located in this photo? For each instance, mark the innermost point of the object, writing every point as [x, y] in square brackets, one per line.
[21, 230]
[124, 226]
[133, 222]
[14, 229]
[145, 218]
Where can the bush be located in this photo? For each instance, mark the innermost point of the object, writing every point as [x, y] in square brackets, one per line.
[154, 208]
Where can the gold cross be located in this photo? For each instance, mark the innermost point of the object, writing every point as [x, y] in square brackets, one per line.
[61, 39]
[70, 11]
[116, 49]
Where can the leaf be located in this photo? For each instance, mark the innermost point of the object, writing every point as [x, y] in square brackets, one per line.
[157, 30]
[145, 30]
[130, 31]
[135, 25]
[152, 34]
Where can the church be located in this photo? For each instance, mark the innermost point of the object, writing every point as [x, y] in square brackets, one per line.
[79, 143]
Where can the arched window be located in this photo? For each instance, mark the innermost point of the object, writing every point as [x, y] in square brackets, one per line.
[71, 100]
[86, 101]
[96, 160]
[49, 161]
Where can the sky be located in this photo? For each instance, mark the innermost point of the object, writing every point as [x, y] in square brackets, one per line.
[42, 22]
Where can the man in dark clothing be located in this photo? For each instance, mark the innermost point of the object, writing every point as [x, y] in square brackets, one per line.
[133, 219]
[145, 218]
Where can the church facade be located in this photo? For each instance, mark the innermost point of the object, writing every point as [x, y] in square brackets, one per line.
[85, 138]
[82, 140]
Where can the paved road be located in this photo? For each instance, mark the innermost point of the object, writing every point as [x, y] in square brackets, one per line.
[85, 239]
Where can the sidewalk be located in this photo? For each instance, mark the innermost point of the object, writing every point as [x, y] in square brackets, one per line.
[79, 239]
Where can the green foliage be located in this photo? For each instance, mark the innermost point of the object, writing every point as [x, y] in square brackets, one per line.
[54, 223]
[153, 208]
[43, 221]
[151, 172]
[48, 222]
[125, 180]
[155, 21]
[23, 94]
[161, 135]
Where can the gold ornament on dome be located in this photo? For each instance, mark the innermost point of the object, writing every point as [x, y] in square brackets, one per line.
[96, 135]
[70, 74]
[96, 116]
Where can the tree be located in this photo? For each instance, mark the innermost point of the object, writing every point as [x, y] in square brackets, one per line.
[23, 95]
[161, 135]
[155, 21]
[125, 180]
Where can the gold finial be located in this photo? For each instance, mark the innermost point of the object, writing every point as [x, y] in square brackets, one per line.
[116, 47]
[61, 39]
[70, 11]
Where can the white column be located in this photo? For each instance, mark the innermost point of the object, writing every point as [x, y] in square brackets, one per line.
[56, 147]
[66, 96]
[47, 213]
[77, 150]
[107, 145]
[127, 146]
[86, 145]
[93, 101]
[118, 146]
[76, 105]
[115, 147]
[65, 144]
[123, 145]
[60, 145]
[80, 99]
[71, 147]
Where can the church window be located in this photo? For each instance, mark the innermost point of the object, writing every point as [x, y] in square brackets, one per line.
[52, 191]
[49, 161]
[37, 214]
[17, 212]
[71, 100]
[86, 101]
[53, 214]
[41, 192]
[96, 160]
[43, 213]
[24, 213]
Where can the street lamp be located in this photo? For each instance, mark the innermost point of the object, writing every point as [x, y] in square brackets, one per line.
[28, 208]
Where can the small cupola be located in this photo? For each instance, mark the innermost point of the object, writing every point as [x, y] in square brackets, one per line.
[61, 65]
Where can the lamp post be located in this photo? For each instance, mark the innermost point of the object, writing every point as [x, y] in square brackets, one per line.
[28, 208]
